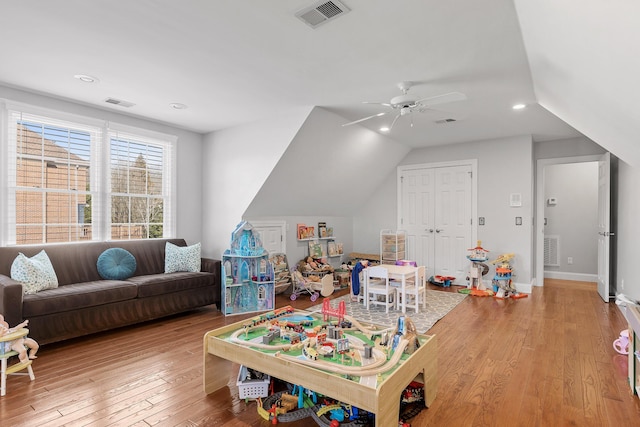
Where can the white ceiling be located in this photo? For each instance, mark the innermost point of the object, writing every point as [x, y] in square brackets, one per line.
[234, 62]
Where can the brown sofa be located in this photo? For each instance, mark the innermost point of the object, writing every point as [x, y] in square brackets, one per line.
[84, 303]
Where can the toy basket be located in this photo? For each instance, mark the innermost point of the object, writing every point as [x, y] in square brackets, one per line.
[252, 388]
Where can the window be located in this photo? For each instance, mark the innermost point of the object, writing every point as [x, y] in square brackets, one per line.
[137, 182]
[65, 185]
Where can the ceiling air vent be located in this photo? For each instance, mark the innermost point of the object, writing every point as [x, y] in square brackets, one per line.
[321, 12]
[442, 121]
[119, 102]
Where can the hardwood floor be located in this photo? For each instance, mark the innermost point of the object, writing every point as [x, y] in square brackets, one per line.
[546, 360]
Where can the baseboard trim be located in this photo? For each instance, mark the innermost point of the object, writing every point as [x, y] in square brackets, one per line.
[524, 288]
[564, 275]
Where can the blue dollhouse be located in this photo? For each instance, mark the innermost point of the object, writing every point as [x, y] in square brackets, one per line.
[247, 275]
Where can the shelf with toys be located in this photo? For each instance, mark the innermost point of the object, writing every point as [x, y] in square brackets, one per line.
[281, 272]
[322, 245]
[393, 246]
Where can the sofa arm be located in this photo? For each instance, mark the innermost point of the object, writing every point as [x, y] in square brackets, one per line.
[211, 265]
[10, 300]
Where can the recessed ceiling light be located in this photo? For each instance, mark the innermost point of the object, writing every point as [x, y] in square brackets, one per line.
[86, 78]
[384, 129]
[178, 106]
[519, 106]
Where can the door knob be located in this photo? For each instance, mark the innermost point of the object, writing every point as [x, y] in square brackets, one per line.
[439, 230]
[430, 230]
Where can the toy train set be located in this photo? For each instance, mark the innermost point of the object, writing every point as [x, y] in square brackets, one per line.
[335, 343]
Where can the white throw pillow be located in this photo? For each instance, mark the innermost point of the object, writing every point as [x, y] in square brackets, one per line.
[182, 258]
[36, 273]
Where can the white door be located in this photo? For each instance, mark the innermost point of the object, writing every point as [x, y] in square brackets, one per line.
[604, 231]
[436, 213]
[272, 235]
[417, 215]
[452, 220]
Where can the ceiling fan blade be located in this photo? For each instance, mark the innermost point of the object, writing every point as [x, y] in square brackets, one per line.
[364, 118]
[425, 109]
[442, 99]
[386, 104]
[394, 121]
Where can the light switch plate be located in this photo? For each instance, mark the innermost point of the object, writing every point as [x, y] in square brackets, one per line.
[518, 220]
[481, 220]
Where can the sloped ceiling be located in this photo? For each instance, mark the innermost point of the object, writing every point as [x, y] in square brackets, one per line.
[585, 62]
[327, 170]
[236, 62]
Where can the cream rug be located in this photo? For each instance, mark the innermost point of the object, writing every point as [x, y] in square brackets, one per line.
[438, 305]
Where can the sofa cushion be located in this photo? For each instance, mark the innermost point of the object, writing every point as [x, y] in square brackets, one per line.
[159, 284]
[178, 258]
[35, 273]
[77, 296]
[116, 264]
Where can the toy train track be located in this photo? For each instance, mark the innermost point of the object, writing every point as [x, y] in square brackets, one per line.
[317, 412]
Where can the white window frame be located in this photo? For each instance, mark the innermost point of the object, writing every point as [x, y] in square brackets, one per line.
[168, 143]
[100, 168]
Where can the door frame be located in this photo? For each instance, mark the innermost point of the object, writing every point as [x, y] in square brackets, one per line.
[474, 188]
[538, 280]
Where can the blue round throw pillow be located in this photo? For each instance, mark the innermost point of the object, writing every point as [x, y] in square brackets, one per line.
[116, 264]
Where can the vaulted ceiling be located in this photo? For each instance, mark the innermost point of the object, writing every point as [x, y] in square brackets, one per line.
[232, 62]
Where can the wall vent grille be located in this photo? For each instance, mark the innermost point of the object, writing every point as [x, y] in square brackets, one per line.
[322, 12]
[552, 251]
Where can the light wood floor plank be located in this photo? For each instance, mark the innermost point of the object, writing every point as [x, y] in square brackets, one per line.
[545, 360]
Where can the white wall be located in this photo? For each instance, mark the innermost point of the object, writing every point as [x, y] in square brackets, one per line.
[581, 67]
[236, 162]
[189, 153]
[328, 173]
[379, 212]
[504, 167]
[328, 169]
[574, 218]
[573, 147]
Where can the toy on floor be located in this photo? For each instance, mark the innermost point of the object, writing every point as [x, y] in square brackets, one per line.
[444, 281]
[477, 256]
[311, 265]
[621, 345]
[502, 281]
[312, 285]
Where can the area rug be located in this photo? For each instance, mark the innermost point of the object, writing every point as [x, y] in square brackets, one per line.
[438, 305]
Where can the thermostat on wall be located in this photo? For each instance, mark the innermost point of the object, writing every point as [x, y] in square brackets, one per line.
[552, 201]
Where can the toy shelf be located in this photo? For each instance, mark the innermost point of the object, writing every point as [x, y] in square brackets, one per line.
[393, 246]
[632, 314]
[316, 238]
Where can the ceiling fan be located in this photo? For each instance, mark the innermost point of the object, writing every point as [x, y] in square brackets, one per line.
[406, 104]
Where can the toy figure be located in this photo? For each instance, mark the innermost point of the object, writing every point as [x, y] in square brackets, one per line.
[21, 344]
[355, 278]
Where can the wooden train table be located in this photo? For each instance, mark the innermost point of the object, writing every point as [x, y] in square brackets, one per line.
[369, 376]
